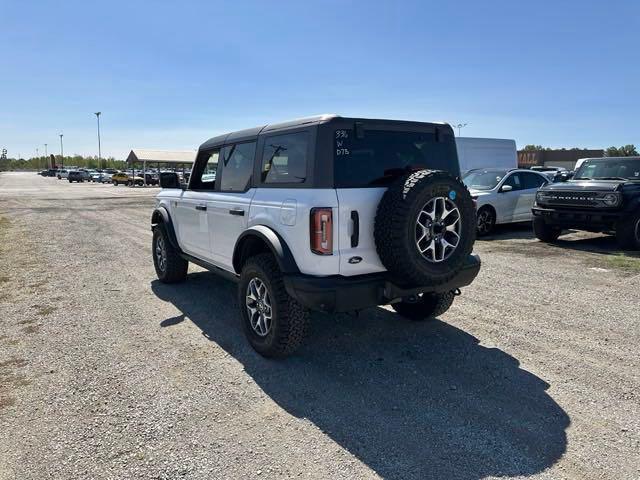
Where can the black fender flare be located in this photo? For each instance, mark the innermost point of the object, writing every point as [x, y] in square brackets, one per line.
[161, 215]
[276, 244]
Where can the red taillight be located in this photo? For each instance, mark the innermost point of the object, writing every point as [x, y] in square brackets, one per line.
[321, 231]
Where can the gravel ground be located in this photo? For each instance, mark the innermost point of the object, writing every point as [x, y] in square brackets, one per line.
[105, 373]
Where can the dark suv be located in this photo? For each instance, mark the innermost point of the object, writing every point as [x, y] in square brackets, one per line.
[603, 196]
[78, 176]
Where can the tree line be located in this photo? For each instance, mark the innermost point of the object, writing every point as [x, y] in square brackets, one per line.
[623, 151]
[43, 163]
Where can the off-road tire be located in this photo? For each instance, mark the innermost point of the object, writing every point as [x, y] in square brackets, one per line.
[290, 320]
[427, 307]
[628, 232]
[489, 215]
[176, 267]
[544, 232]
[395, 227]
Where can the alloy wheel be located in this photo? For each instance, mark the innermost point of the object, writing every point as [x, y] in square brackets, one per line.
[258, 304]
[437, 230]
[161, 254]
[484, 222]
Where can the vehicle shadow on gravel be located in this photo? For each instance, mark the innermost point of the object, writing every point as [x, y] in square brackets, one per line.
[409, 399]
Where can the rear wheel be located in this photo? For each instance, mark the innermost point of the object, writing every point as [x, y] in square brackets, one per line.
[486, 221]
[170, 266]
[545, 232]
[274, 323]
[628, 232]
[426, 306]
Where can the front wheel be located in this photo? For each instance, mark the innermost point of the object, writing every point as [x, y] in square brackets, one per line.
[486, 219]
[274, 323]
[628, 232]
[544, 232]
[426, 306]
[170, 266]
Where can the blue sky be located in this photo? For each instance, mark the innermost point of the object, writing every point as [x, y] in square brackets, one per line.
[171, 74]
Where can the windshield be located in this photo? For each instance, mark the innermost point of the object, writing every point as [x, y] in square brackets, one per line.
[610, 168]
[483, 179]
[379, 156]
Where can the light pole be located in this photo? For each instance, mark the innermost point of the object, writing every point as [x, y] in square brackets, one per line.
[99, 152]
[61, 153]
[45, 153]
[460, 126]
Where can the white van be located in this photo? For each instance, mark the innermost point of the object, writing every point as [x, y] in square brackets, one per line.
[486, 153]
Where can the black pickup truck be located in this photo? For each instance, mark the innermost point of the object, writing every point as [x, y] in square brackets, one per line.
[603, 196]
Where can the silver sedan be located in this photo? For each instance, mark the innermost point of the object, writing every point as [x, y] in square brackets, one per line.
[503, 196]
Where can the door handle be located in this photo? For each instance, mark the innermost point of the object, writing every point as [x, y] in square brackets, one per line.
[237, 211]
[355, 236]
[202, 208]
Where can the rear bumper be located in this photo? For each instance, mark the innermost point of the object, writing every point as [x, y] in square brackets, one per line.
[579, 219]
[345, 294]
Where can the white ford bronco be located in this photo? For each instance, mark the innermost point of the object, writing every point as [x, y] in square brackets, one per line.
[323, 213]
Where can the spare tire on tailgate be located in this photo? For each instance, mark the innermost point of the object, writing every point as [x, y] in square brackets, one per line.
[425, 227]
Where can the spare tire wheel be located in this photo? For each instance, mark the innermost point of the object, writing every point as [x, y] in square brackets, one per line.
[425, 227]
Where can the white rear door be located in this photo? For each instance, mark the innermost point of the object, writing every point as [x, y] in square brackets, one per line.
[228, 207]
[228, 213]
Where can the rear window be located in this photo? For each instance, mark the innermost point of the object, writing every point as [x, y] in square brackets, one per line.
[380, 155]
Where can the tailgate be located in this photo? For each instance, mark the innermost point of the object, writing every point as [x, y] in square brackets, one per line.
[358, 205]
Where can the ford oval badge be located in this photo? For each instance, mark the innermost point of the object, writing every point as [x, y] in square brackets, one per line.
[354, 260]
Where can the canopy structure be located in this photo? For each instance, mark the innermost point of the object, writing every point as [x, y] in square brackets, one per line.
[167, 158]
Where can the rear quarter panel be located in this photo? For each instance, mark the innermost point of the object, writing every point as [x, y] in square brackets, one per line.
[286, 211]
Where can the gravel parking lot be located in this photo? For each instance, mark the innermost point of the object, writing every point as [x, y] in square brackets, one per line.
[106, 373]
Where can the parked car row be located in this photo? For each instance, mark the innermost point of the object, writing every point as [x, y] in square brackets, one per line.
[109, 175]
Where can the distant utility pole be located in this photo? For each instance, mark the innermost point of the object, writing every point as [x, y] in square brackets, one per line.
[99, 152]
[61, 153]
[46, 154]
[460, 126]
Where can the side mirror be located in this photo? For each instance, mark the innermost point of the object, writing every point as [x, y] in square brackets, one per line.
[506, 188]
[170, 180]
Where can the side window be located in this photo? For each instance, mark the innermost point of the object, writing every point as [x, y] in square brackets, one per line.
[238, 167]
[284, 159]
[204, 173]
[532, 180]
[208, 178]
[514, 181]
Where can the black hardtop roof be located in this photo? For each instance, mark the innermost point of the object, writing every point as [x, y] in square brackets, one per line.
[252, 133]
